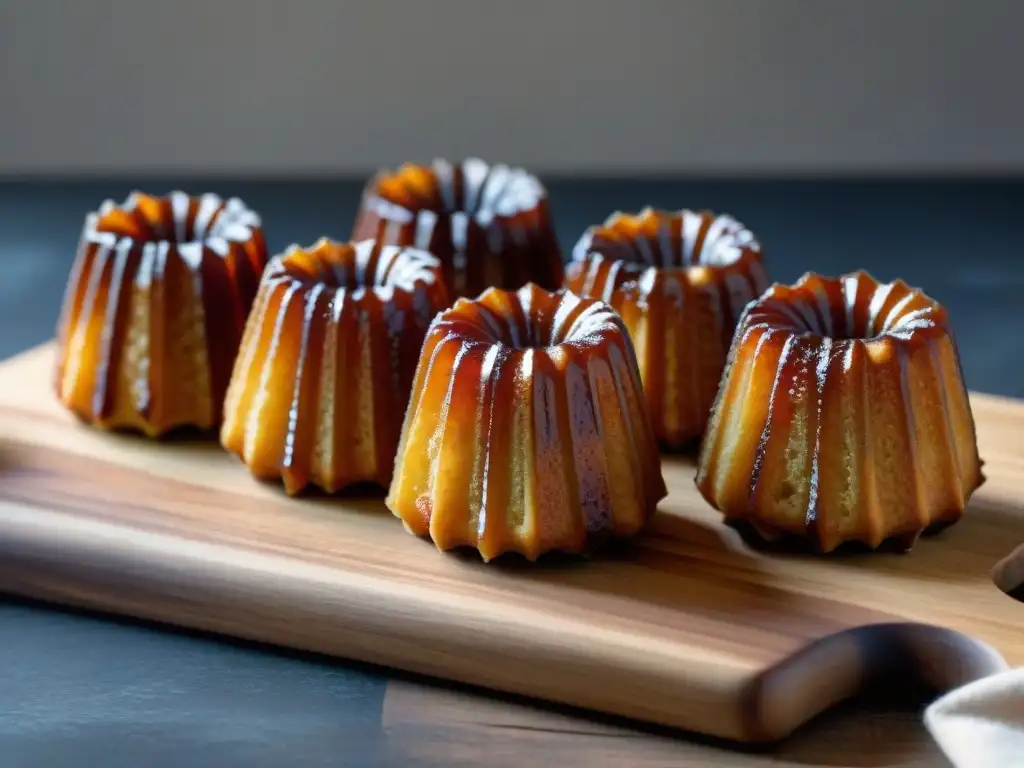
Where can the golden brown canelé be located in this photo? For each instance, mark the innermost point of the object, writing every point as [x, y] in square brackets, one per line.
[842, 416]
[323, 376]
[154, 310]
[680, 281]
[526, 430]
[488, 224]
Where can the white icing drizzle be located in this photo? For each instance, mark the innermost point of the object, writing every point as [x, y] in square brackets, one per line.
[216, 224]
[710, 247]
[851, 284]
[261, 394]
[105, 373]
[393, 213]
[724, 243]
[474, 174]
[487, 372]
[526, 301]
[445, 175]
[609, 282]
[613, 219]
[821, 372]
[794, 309]
[426, 221]
[209, 206]
[300, 373]
[896, 311]
[460, 240]
[848, 357]
[590, 321]
[647, 280]
[191, 255]
[593, 272]
[691, 229]
[143, 282]
[565, 308]
[144, 275]
[381, 269]
[498, 179]
[180, 206]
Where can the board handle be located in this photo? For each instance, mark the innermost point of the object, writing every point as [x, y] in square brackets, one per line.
[837, 667]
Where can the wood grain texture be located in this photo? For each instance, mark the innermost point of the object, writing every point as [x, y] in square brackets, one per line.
[687, 628]
[439, 725]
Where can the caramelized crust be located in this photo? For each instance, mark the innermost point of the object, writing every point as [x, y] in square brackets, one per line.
[680, 281]
[842, 416]
[326, 365]
[526, 430]
[154, 310]
[488, 224]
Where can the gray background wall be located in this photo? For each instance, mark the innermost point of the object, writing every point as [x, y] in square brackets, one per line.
[592, 86]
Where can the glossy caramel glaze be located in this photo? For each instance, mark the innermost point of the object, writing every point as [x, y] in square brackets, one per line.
[842, 416]
[154, 310]
[680, 281]
[327, 362]
[527, 429]
[488, 224]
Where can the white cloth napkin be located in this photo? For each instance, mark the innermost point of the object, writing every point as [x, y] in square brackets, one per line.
[981, 725]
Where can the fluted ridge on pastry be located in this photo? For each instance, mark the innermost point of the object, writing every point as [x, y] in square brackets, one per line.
[527, 429]
[489, 225]
[154, 309]
[842, 415]
[680, 281]
[330, 348]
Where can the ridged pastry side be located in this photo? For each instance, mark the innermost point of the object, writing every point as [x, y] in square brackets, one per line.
[490, 225]
[154, 310]
[843, 416]
[527, 429]
[323, 378]
[680, 281]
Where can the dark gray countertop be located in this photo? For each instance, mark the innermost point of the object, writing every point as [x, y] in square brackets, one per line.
[80, 690]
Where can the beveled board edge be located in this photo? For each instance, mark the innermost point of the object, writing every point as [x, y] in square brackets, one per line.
[50, 557]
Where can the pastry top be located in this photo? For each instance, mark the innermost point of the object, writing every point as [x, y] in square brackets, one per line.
[359, 267]
[532, 318]
[473, 188]
[488, 224]
[850, 307]
[664, 240]
[667, 239]
[189, 223]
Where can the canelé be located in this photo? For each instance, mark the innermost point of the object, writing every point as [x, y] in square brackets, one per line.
[488, 224]
[842, 416]
[527, 429]
[680, 281]
[323, 377]
[154, 310]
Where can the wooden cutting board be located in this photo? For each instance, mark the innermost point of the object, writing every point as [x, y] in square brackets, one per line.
[688, 627]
